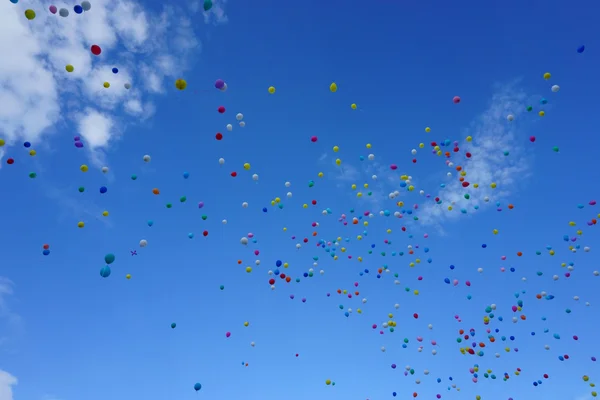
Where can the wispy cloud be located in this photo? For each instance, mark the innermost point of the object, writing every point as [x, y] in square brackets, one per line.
[40, 97]
[8, 317]
[493, 135]
[76, 208]
[7, 381]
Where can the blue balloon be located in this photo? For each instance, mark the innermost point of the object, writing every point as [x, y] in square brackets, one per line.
[580, 49]
[115, 70]
[185, 174]
[265, 209]
[27, 144]
[45, 252]
[14, 1]
[173, 325]
[78, 9]
[197, 387]
[109, 258]
[191, 235]
[105, 271]
[150, 222]
[103, 189]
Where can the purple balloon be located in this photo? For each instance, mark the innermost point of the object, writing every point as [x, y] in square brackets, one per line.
[53, 9]
[201, 204]
[76, 138]
[79, 145]
[219, 83]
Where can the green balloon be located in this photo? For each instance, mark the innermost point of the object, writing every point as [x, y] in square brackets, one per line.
[109, 258]
[207, 5]
[81, 189]
[182, 199]
[169, 205]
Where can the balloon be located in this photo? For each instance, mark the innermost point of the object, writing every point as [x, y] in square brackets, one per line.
[53, 9]
[115, 70]
[173, 325]
[109, 258]
[86, 5]
[29, 14]
[105, 271]
[127, 86]
[333, 87]
[456, 99]
[63, 12]
[146, 158]
[180, 84]
[219, 83]
[143, 243]
[69, 68]
[271, 89]
[547, 75]
[239, 116]
[106, 85]
[353, 106]
[221, 109]
[197, 387]
[207, 5]
[555, 88]
[581, 49]
[96, 50]
[78, 9]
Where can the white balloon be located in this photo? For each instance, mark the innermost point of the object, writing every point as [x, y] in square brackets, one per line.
[229, 127]
[289, 194]
[239, 116]
[104, 170]
[221, 161]
[288, 184]
[143, 243]
[242, 124]
[374, 177]
[371, 157]
[255, 177]
[244, 241]
[413, 152]
[555, 88]
[146, 158]
[252, 344]
[224, 222]
[245, 205]
[510, 117]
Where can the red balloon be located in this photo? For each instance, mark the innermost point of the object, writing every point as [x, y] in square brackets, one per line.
[10, 161]
[46, 246]
[221, 109]
[465, 184]
[456, 100]
[532, 139]
[219, 136]
[313, 139]
[96, 50]
[415, 315]
[205, 233]
[234, 174]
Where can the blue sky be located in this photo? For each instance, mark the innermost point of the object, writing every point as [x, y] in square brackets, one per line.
[67, 333]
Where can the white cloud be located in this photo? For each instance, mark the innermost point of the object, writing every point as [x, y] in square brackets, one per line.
[7, 381]
[216, 14]
[492, 135]
[6, 290]
[39, 96]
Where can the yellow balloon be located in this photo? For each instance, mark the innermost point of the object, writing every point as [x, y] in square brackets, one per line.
[421, 145]
[29, 14]
[2, 142]
[271, 89]
[328, 382]
[547, 76]
[493, 185]
[180, 84]
[353, 186]
[32, 153]
[369, 145]
[105, 213]
[469, 138]
[248, 269]
[428, 129]
[128, 276]
[246, 323]
[84, 168]
[69, 68]
[495, 231]
[338, 162]
[106, 85]
[542, 113]
[336, 149]
[353, 106]
[247, 166]
[320, 175]
[80, 224]
[333, 87]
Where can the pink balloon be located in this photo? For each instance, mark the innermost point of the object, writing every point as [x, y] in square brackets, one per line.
[314, 139]
[53, 9]
[228, 334]
[393, 167]
[456, 100]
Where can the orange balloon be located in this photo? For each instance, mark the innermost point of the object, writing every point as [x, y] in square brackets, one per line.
[510, 206]
[519, 253]
[155, 191]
